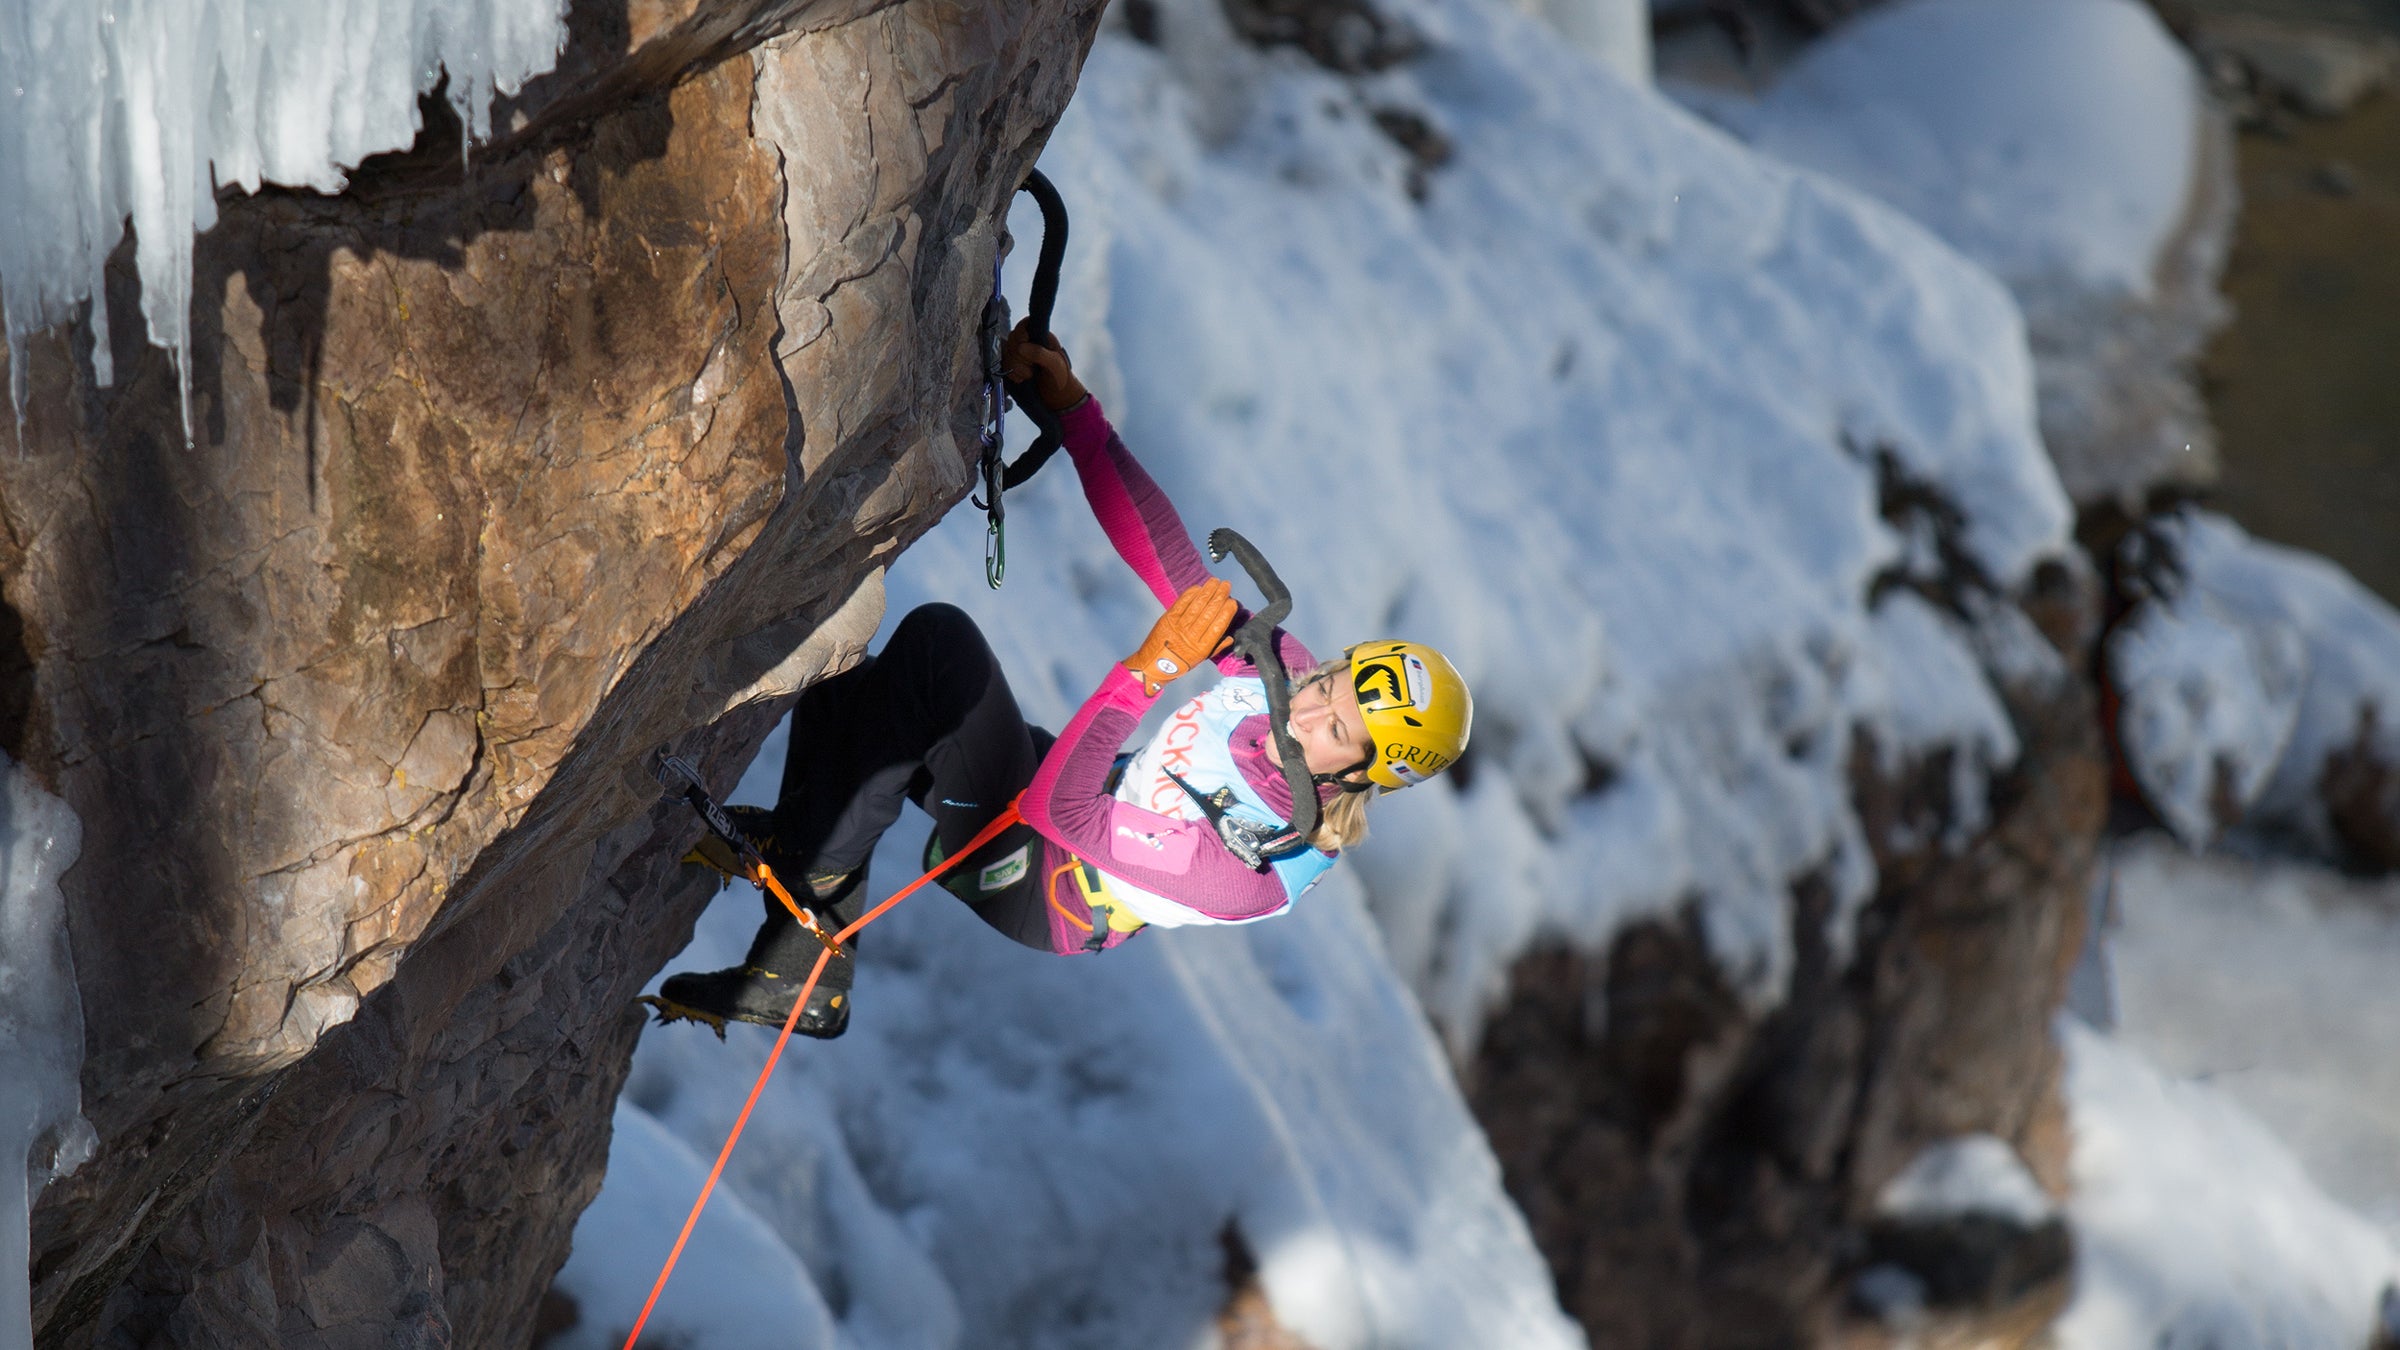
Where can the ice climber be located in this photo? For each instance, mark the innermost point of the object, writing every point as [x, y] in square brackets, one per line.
[1109, 843]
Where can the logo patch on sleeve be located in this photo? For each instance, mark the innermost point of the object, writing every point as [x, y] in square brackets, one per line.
[1005, 873]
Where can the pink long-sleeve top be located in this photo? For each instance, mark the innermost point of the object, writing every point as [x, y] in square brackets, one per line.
[1069, 803]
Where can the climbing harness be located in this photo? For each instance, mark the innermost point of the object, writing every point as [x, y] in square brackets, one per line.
[1108, 914]
[1000, 823]
[998, 393]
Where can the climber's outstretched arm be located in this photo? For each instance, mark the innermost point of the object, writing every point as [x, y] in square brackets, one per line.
[1148, 532]
[1132, 509]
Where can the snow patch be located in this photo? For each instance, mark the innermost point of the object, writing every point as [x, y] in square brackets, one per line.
[2065, 145]
[736, 1275]
[1933, 697]
[1968, 1175]
[2211, 696]
[2258, 658]
[41, 1028]
[2049, 140]
[2298, 1028]
[2194, 1226]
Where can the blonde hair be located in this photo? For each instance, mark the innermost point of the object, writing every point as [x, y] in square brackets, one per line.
[1341, 822]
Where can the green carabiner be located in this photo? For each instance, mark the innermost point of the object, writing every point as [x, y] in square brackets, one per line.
[995, 553]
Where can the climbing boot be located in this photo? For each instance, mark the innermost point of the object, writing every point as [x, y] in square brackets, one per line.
[748, 993]
[761, 989]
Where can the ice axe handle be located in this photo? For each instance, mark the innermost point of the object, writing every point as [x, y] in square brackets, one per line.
[684, 784]
[1224, 541]
[1038, 304]
[1256, 640]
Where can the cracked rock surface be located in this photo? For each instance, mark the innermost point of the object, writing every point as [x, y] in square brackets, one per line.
[502, 477]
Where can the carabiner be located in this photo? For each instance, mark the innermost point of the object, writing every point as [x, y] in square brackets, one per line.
[995, 428]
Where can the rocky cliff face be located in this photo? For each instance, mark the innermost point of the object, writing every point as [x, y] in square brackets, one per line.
[505, 475]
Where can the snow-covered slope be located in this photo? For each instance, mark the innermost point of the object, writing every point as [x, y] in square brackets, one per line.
[2270, 980]
[2049, 140]
[2195, 1226]
[2067, 146]
[1603, 417]
[1599, 418]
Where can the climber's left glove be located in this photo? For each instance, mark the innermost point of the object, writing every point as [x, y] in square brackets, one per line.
[1038, 359]
[1190, 632]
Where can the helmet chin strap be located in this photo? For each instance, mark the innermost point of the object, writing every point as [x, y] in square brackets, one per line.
[1341, 778]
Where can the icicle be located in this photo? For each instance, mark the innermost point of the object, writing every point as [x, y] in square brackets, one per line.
[43, 1135]
[138, 109]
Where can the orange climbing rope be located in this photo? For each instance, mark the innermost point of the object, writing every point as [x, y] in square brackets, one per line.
[984, 836]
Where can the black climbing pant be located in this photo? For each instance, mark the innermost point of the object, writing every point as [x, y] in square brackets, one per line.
[929, 719]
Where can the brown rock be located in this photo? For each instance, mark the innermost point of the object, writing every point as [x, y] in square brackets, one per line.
[1701, 1174]
[2361, 791]
[1971, 1279]
[2320, 69]
[502, 480]
[1348, 37]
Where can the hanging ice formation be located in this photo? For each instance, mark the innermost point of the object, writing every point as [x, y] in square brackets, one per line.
[143, 108]
[42, 1132]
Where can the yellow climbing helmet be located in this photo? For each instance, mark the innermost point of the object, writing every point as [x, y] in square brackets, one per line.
[1417, 710]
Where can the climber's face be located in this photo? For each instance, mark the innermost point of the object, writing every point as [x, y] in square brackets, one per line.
[1325, 720]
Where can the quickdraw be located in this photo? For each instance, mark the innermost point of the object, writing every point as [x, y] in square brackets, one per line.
[999, 393]
[995, 413]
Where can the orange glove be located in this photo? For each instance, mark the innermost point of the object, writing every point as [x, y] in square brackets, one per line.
[1191, 631]
[1026, 357]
